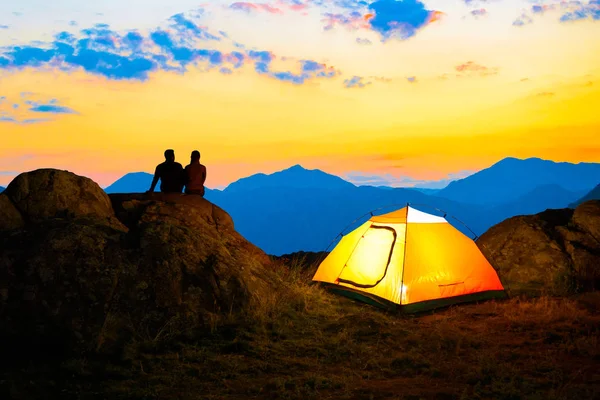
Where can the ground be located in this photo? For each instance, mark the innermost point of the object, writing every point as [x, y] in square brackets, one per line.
[305, 343]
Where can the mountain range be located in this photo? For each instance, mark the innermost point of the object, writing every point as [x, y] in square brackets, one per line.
[512, 178]
[298, 209]
[2, 189]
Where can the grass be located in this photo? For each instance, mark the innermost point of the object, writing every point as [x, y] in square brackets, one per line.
[301, 342]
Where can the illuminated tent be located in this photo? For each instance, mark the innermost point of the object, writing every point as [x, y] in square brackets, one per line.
[411, 260]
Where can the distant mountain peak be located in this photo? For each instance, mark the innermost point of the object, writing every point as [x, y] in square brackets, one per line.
[295, 176]
[511, 178]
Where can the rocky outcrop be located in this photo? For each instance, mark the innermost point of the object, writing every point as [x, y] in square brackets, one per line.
[556, 251]
[73, 277]
[48, 193]
[10, 218]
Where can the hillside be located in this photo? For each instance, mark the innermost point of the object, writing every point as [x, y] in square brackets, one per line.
[594, 194]
[512, 178]
[137, 296]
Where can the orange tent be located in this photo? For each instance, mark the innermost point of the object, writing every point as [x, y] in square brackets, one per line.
[409, 259]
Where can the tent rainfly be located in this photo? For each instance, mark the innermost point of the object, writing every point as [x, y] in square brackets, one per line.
[410, 260]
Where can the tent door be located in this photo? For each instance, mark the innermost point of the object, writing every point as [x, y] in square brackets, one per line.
[370, 259]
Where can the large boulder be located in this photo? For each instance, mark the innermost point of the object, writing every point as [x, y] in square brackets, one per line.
[587, 218]
[48, 193]
[10, 218]
[554, 252]
[68, 280]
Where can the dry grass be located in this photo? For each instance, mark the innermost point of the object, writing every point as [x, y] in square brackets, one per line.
[301, 342]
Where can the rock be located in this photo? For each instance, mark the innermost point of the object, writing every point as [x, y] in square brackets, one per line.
[10, 218]
[71, 281]
[57, 278]
[552, 252]
[49, 193]
[188, 210]
[587, 218]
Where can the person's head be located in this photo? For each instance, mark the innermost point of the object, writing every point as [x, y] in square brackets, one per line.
[195, 155]
[169, 155]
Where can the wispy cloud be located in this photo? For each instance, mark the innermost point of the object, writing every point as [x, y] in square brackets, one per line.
[26, 108]
[255, 7]
[356, 82]
[390, 180]
[275, 7]
[471, 68]
[565, 11]
[363, 41]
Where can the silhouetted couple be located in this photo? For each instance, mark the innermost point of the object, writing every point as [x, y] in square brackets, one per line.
[173, 177]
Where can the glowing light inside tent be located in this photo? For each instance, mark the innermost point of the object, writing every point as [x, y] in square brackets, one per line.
[369, 260]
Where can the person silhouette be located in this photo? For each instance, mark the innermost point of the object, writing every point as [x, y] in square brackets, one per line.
[170, 174]
[195, 175]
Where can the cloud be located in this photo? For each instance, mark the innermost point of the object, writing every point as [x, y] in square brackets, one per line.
[250, 7]
[353, 21]
[4, 26]
[412, 79]
[279, 7]
[522, 20]
[51, 108]
[307, 70]
[582, 11]
[399, 19]
[356, 82]
[389, 180]
[470, 68]
[480, 12]
[132, 55]
[569, 11]
[363, 41]
[27, 108]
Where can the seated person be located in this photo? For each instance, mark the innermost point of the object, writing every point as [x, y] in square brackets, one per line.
[170, 174]
[195, 175]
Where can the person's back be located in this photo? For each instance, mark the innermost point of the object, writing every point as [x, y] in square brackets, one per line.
[195, 175]
[170, 174]
[170, 177]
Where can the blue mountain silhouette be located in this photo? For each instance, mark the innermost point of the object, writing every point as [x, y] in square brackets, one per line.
[539, 199]
[512, 178]
[2, 189]
[285, 220]
[295, 177]
[594, 194]
[299, 209]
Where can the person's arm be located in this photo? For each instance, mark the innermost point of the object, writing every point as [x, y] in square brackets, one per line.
[155, 179]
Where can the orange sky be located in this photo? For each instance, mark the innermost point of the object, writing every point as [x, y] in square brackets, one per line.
[484, 89]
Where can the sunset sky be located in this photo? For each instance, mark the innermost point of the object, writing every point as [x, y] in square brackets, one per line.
[383, 92]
